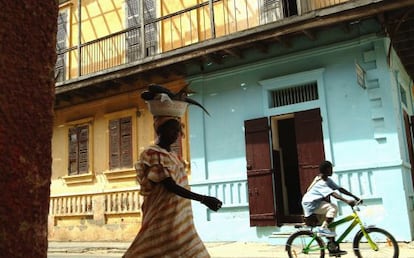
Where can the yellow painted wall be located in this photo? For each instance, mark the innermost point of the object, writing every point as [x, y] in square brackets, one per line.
[97, 114]
[71, 217]
[98, 19]
[103, 18]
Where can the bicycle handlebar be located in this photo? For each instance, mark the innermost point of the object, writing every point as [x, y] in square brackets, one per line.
[357, 203]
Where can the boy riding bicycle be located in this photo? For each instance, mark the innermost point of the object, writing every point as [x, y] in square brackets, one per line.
[316, 201]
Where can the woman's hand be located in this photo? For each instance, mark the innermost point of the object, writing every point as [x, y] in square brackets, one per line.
[211, 202]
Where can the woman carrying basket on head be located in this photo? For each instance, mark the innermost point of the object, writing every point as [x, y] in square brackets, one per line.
[167, 224]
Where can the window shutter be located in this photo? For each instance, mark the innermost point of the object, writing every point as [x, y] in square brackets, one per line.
[83, 149]
[114, 145]
[133, 36]
[126, 142]
[259, 173]
[61, 39]
[409, 136]
[150, 29]
[73, 151]
[309, 145]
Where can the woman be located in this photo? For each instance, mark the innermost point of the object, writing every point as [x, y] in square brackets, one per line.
[167, 225]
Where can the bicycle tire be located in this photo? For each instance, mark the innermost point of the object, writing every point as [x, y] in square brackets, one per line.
[296, 243]
[387, 245]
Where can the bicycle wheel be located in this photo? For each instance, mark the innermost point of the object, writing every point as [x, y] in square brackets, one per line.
[387, 246]
[305, 243]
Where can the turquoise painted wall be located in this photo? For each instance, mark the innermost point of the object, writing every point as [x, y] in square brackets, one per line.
[362, 128]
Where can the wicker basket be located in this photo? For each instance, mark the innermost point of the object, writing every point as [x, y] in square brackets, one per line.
[167, 108]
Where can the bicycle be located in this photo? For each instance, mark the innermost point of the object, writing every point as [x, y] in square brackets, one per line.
[369, 241]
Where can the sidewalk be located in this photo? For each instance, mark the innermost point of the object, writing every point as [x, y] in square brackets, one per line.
[216, 249]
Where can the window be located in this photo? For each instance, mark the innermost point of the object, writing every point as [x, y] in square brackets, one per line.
[120, 143]
[271, 11]
[297, 94]
[78, 150]
[403, 95]
[134, 23]
[61, 45]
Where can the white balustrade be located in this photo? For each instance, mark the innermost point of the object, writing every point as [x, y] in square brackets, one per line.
[119, 202]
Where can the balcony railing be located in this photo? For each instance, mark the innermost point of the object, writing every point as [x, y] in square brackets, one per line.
[208, 20]
[96, 205]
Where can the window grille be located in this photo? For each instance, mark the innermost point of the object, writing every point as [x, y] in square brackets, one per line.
[297, 94]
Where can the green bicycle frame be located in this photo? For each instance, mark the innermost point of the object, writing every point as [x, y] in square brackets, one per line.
[307, 249]
[355, 221]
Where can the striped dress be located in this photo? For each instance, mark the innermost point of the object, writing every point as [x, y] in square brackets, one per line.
[167, 225]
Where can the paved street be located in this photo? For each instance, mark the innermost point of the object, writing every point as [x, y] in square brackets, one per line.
[216, 250]
[84, 255]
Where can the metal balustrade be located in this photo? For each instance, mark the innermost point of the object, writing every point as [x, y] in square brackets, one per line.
[208, 20]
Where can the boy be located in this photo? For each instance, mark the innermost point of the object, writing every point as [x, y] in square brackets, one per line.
[317, 201]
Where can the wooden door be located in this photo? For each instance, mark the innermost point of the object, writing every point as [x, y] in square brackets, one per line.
[409, 133]
[309, 140]
[259, 173]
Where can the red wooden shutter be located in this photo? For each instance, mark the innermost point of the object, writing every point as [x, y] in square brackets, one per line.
[409, 133]
[259, 173]
[114, 145]
[126, 142]
[310, 148]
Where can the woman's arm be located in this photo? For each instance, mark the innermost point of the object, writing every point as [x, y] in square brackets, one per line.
[171, 186]
[211, 202]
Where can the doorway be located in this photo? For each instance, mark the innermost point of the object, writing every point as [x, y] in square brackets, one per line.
[283, 157]
[297, 139]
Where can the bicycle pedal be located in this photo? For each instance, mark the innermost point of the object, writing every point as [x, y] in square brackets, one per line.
[337, 254]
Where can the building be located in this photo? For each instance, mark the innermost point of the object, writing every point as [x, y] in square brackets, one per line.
[287, 83]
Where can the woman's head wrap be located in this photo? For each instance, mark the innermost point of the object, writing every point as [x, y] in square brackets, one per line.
[165, 105]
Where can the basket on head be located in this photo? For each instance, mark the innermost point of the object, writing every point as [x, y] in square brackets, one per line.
[167, 108]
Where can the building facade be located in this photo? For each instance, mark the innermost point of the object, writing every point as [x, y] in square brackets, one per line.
[287, 84]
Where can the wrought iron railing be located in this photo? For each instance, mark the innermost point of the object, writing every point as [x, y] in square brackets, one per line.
[210, 19]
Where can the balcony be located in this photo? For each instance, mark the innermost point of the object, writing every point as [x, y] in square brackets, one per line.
[206, 32]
